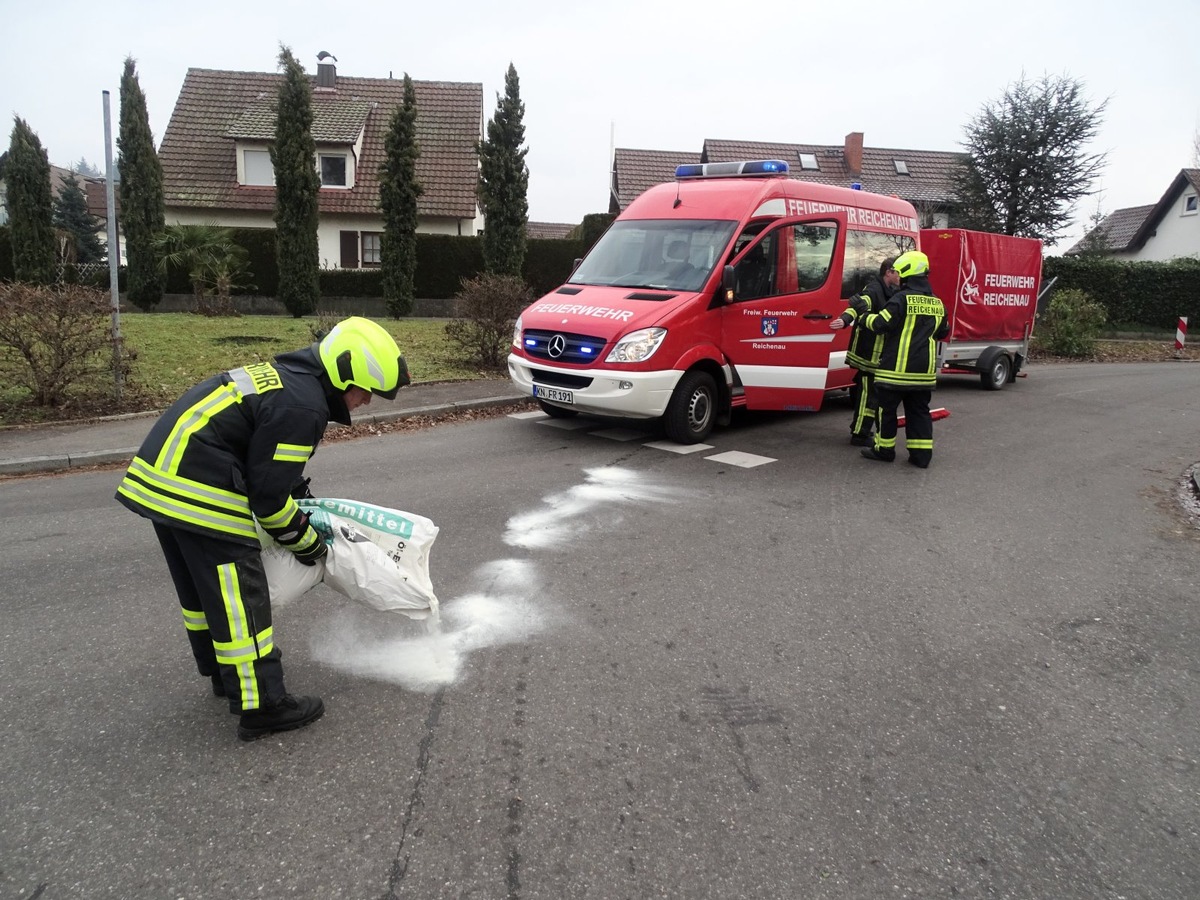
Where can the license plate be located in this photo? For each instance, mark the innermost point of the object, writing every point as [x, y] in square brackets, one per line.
[553, 394]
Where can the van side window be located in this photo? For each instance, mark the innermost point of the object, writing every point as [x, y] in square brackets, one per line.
[865, 250]
[814, 253]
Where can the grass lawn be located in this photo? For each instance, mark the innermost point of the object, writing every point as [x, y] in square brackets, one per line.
[176, 350]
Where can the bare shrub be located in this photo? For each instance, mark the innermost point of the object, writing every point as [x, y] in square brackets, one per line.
[55, 335]
[490, 305]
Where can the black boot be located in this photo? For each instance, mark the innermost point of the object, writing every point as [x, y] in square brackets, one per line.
[872, 453]
[862, 440]
[290, 712]
[218, 685]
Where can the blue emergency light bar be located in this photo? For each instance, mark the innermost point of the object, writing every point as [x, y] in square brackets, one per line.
[725, 169]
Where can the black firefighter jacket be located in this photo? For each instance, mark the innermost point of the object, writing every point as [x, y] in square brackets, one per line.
[865, 346]
[231, 450]
[912, 322]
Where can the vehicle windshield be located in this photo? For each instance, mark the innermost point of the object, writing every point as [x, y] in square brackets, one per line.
[675, 255]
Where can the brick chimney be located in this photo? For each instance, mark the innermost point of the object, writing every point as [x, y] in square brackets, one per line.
[853, 152]
[326, 70]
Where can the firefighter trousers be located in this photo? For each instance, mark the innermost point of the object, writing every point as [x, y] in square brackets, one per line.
[918, 423]
[227, 613]
[862, 396]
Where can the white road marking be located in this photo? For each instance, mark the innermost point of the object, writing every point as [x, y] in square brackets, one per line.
[567, 424]
[620, 434]
[531, 414]
[740, 459]
[672, 447]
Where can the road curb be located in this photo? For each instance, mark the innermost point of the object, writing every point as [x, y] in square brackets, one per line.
[62, 462]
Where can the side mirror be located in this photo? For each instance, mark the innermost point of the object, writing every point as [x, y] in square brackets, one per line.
[575, 265]
[728, 283]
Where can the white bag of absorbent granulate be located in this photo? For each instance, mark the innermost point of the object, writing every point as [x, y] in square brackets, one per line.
[377, 556]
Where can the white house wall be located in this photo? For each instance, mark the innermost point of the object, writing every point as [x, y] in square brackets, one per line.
[329, 229]
[1177, 234]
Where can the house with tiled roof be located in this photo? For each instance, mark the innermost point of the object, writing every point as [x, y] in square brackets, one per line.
[1168, 229]
[636, 171]
[217, 165]
[922, 177]
[556, 231]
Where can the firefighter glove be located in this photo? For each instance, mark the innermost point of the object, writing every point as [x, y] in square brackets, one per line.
[313, 553]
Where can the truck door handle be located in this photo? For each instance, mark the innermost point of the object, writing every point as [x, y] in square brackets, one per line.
[817, 315]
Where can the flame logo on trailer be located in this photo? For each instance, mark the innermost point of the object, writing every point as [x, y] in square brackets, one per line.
[968, 293]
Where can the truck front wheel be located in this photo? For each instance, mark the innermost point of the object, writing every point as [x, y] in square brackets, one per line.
[995, 368]
[693, 408]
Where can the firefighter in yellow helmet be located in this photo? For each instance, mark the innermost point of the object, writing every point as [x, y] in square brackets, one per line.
[229, 453]
[912, 322]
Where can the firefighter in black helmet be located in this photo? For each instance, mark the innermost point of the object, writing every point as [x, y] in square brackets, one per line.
[227, 459]
[912, 323]
[865, 347]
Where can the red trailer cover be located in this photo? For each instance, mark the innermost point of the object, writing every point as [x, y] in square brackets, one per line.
[988, 282]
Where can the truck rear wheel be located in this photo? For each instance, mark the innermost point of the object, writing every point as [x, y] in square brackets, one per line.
[693, 408]
[995, 368]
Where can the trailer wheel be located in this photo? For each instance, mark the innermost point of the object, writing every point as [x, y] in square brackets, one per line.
[557, 412]
[995, 368]
[693, 408]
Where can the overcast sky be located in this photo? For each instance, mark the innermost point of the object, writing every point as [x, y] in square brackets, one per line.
[651, 75]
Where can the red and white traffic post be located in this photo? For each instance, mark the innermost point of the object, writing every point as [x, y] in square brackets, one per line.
[1180, 335]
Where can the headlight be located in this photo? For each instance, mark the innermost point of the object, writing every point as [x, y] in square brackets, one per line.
[517, 329]
[637, 346]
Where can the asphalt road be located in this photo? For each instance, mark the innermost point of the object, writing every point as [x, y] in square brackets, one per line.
[658, 675]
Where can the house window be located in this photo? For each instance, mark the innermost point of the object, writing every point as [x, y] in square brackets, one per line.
[1189, 205]
[333, 170]
[257, 168]
[372, 245]
[901, 167]
[809, 161]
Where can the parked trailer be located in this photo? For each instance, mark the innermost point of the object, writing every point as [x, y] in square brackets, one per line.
[989, 284]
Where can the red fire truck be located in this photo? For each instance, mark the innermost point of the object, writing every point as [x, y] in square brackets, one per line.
[715, 292]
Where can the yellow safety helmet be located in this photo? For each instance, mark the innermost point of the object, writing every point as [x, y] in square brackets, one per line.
[914, 262]
[361, 353]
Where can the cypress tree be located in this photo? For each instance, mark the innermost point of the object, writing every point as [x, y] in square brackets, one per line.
[504, 182]
[398, 193]
[71, 215]
[297, 186]
[143, 215]
[27, 174]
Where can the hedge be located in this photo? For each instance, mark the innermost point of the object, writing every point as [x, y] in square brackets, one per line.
[1149, 294]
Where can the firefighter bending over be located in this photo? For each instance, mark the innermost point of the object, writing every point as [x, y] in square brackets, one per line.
[230, 452]
[911, 323]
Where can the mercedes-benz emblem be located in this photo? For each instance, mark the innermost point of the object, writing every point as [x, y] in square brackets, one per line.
[557, 346]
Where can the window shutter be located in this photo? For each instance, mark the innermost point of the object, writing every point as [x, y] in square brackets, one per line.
[349, 249]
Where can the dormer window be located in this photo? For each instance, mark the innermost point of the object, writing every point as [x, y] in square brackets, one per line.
[333, 169]
[257, 169]
[901, 167]
[809, 161]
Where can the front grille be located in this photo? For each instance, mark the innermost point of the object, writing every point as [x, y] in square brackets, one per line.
[580, 349]
[560, 379]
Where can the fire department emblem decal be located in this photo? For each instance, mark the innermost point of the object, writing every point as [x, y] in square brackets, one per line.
[770, 327]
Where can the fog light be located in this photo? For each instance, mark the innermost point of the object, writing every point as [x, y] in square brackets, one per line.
[624, 385]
